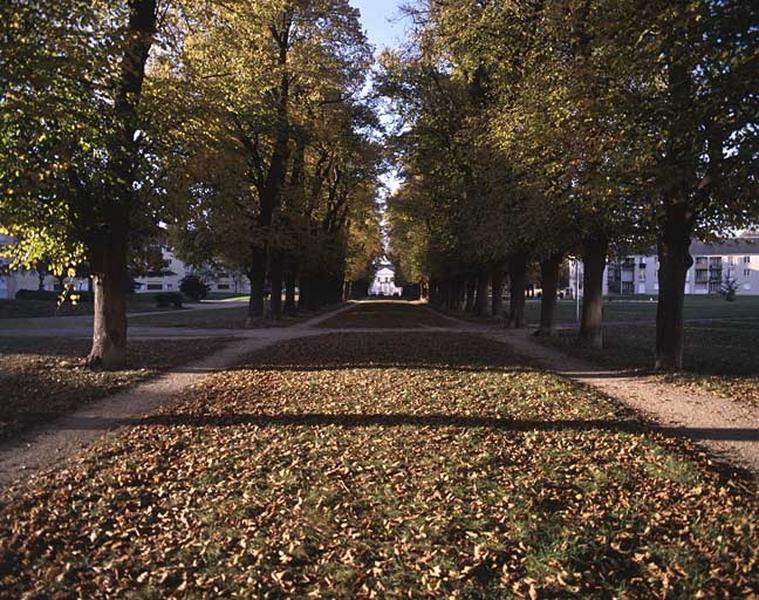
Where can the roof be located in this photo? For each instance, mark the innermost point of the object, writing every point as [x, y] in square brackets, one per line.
[741, 246]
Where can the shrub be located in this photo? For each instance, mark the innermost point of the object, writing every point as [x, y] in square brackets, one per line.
[169, 299]
[193, 287]
[729, 288]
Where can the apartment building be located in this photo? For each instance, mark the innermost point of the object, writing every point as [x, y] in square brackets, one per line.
[165, 279]
[713, 263]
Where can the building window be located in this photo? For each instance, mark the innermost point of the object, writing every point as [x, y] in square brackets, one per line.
[747, 259]
[702, 276]
[155, 287]
[641, 275]
[747, 272]
[700, 261]
[169, 286]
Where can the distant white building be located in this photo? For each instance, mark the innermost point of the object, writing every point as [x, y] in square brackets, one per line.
[384, 280]
[167, 279]
[736, 259]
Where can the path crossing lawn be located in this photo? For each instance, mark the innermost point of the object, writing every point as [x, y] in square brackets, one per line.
[721, 357]
[414, 464]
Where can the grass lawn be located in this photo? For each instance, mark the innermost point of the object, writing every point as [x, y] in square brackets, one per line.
[27, 309]
[41, 379]
[382, 314]
[414, 465]
[696, 307]
[224, 318]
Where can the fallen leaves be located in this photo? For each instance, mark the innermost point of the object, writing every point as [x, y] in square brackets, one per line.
[416, 465]
[42, 378]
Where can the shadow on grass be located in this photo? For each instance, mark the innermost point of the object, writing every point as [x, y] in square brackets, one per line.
[353, 420]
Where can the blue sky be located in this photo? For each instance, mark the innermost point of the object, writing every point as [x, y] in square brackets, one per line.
[385, 28]
[382, 21]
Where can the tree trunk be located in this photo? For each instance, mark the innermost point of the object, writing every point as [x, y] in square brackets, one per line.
[471, 290]
[549, 275]
[674, 262]
[496, 302]
[594, 250]
[257, 277]
[109, 327]
[483, 283]
[108, 239]
[290, 307]
[518, 285]
[275, 281]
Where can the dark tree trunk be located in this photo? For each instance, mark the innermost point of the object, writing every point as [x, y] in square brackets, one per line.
[549, 275]
[275, 281]
[674, 262]
[257, 277]
[109, 329]
[461, 301]
[496, 306]
[454, 294]
[290, 308]
[594, 249]
[518, 285]
[434, 293]
[305, 301]
[471, 290]
[109, 236]
[483, 283]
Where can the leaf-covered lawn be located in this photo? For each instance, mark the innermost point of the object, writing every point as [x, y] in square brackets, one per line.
[388, 314]
[42, 378]
[414, 465]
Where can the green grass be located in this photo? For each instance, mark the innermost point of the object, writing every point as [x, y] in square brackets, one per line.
[416, 465]
[696, 307]
[44, 378]
[27, 309]
[232, 317]
[226, 318]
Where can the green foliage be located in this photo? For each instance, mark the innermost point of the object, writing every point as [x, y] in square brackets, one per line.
[535, 124]
[233, 185]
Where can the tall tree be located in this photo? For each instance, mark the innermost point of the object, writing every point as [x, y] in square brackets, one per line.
[72, 78]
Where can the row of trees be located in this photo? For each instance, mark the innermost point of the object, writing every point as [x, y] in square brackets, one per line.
[238, 126]
[536, 129]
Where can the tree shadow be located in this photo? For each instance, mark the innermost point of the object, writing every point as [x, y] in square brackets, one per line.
[395, 420]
